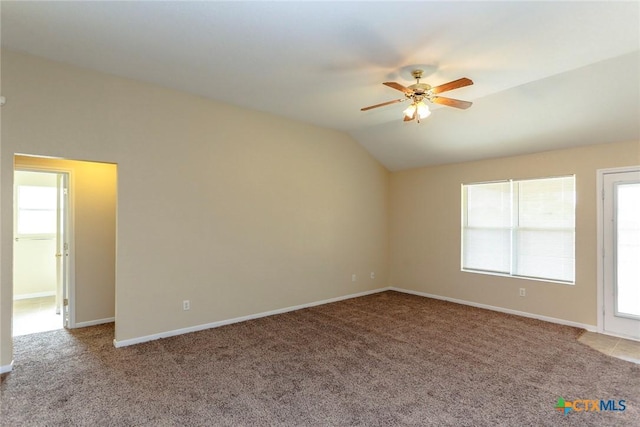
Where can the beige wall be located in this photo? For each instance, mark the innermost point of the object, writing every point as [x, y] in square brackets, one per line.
[93, 196]
[240, 212]
[34, 267]
[425, 231]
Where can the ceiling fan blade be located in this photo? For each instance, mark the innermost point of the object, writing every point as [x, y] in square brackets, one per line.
[452, 85]
[383, 104]
[450, 102]
[398, 86]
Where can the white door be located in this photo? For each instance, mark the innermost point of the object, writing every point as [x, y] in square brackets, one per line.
[62, 248]
[621, 257]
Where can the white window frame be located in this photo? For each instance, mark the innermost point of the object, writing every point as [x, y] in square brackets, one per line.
[513, 230]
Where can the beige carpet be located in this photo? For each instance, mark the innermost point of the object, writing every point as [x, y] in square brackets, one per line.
[382, 360]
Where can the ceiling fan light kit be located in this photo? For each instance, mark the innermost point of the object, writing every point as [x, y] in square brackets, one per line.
[418, 110]
[418, 92]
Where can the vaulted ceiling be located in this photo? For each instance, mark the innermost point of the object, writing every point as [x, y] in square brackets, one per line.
[547, 74]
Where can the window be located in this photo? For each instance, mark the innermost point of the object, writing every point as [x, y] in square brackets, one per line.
[36, 210]
[523, 228]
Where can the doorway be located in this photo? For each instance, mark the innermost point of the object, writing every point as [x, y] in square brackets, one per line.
[90, 256]
[41, 251]
[619, 235]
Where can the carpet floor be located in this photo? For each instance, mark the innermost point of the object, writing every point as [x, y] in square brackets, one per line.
[387, 359]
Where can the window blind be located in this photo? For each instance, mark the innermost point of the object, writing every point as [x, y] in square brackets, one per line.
[520, 228]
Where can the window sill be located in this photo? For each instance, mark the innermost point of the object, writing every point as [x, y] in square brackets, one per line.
[535, 279]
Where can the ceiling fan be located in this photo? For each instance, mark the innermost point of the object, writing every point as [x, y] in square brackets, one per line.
[418, 92]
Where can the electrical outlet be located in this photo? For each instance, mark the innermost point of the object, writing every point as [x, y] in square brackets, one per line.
[186, 305]
[373, 275]
[353, 277]
[523, 292]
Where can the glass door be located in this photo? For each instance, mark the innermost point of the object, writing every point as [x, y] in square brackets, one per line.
[621, 227]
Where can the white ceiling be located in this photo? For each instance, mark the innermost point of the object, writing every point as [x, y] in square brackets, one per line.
[547, 74]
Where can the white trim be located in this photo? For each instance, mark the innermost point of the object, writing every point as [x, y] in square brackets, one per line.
[34, 295]
[94, 322]
[590, 328]
[6, 368]
[514, 276]
[167, 334]
[599, 250]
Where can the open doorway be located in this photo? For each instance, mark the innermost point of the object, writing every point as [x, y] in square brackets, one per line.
[40, 247]
[84, 260]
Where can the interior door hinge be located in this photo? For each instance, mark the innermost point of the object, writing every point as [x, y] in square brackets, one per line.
[65, 302]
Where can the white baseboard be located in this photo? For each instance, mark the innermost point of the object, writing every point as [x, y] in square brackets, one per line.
[590, 328]
[35, 295]
[167, 334]
[94, 322]
[6, 368]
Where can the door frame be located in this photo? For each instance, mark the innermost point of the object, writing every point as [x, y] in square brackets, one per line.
[600, 189]
[69, 264]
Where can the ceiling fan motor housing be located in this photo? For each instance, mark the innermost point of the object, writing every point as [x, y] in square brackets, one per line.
[420, 88]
